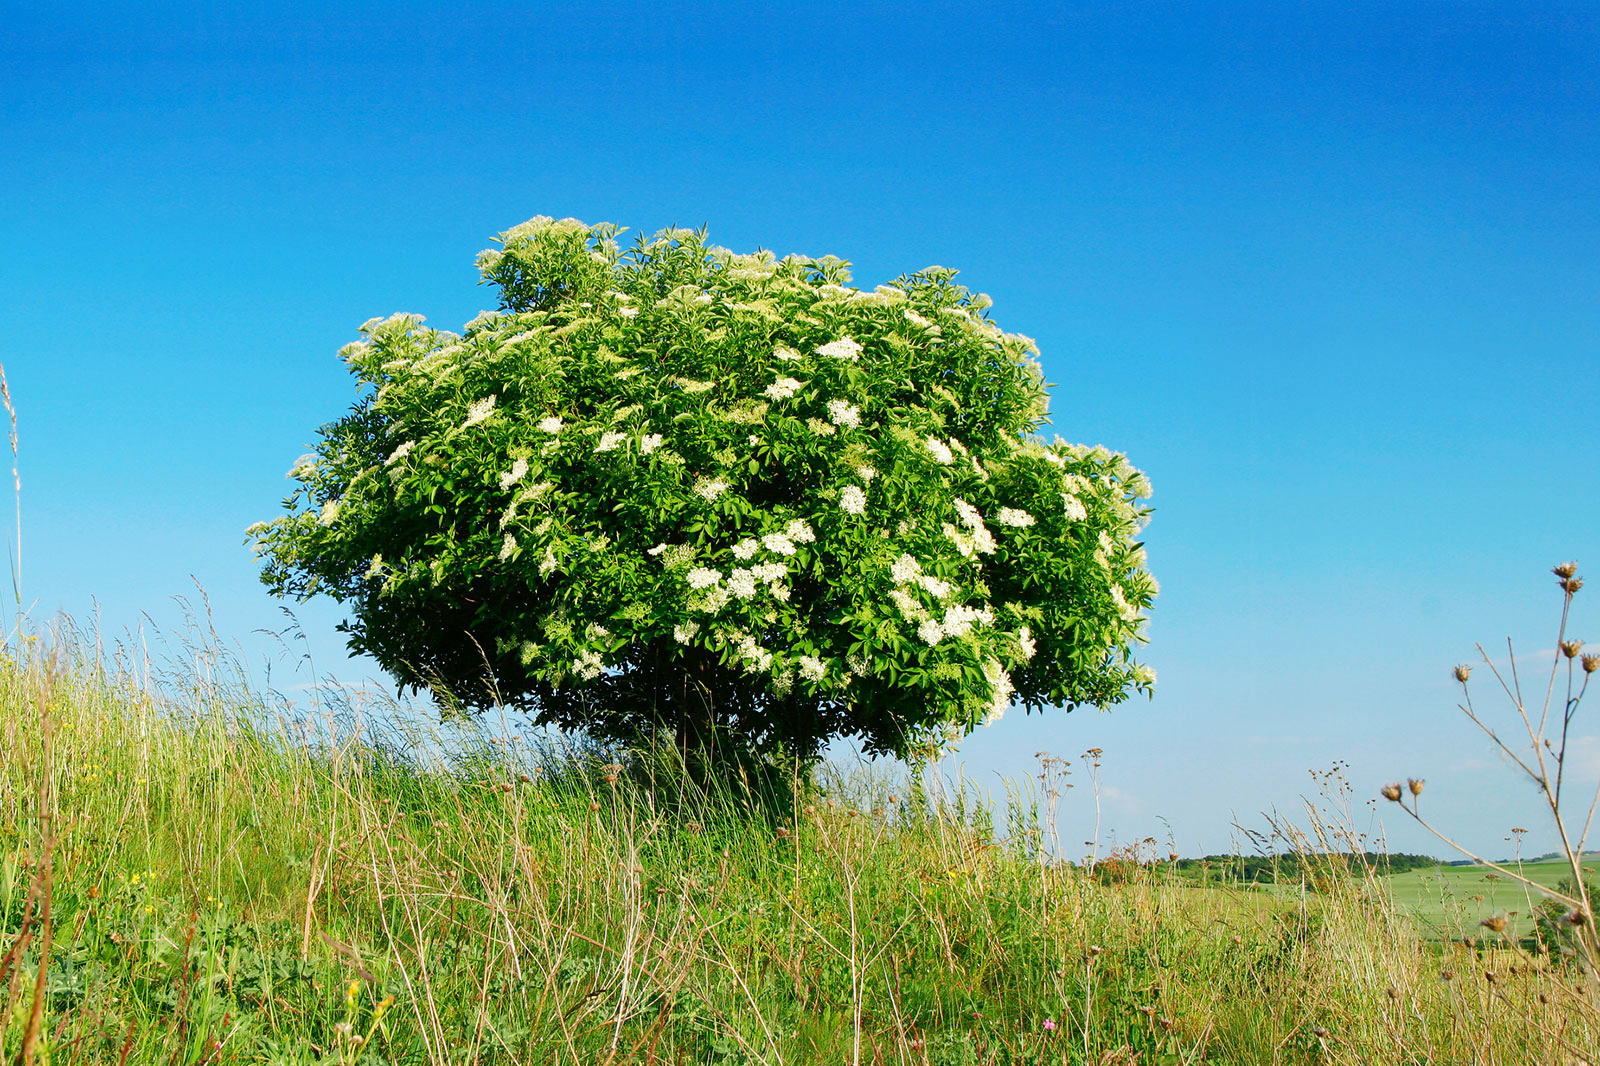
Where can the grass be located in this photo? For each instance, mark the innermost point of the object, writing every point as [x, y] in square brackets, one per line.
[1452, 901]
[192, 873]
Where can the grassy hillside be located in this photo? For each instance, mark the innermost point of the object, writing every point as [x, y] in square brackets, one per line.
[210, 878]
[1451, 901]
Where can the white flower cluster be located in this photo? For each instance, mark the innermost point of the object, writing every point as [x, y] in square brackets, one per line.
[799, 531]
[507, 546]
[852, 500]
[649, 443]
[703, 577]
[845, 414]
[940, 451]
[1128, 611]
[330, 513]
[518, 471]
[1026, 642]
[394, 456]
[779, 543]
[709, 489]
[1000, 689]
[788, 355]
[550, 425]
[1017, 519]
[812, 668]
[976, 538]
[1074, 508]
[746, 548]
[692, 386]
[866, 473]
[1144, 675]
[755, 656]
[610, 441]
[684, 632]
[957, 622]
[478, 411]
[588, 665]
[782, 389]
[843, 348]
[672, 554]
[917, 320]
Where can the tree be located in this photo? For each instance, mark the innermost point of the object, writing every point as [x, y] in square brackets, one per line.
[682, 492]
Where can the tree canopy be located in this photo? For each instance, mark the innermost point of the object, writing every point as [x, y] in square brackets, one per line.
[676, 490]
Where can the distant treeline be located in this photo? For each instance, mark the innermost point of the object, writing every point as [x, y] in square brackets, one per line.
[1295, 867]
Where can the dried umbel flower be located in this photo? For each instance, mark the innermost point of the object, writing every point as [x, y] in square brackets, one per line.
[1565, 570]
[1416, 785]
[1391, 793]
[1463, 672]
[1571, 648]
[1591, 663]
[1495, 923]
[1572, 585]
[1577, 916]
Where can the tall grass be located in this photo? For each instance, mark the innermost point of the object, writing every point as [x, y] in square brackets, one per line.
[193, 873]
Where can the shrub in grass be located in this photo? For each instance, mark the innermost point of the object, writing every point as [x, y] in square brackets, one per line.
[687, 492]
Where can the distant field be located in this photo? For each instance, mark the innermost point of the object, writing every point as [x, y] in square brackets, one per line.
[1452, 900]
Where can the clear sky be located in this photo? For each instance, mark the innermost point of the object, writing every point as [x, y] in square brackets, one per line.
[1328, 272]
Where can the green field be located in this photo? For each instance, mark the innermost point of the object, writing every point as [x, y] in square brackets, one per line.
[1450, 901]
[190, 876]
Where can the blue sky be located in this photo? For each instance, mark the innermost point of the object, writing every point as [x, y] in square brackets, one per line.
[1327, 272]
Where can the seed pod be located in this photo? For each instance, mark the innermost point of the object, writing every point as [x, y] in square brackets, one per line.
[1463, 672]
[1415, 784]
[1391, 793]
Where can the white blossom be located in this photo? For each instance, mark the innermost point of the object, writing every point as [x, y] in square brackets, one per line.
[742, 583]
[1127, 610]
[1000, 688]
[909, 608]
[703, 577]
[709, 489]
[627, 312]
[769, 571]
[1075, 510]
[507, 546]
[799, 531]
[1026, 642]
[782, 389]
[931, 632]
[478, 411]
[548, 563]
[649, 443]
[778, 543]
[858, 665]
[916, 319]
[691, 386]
[959, 619]
[1017, 519]
[812, 668]
[587, 666]
[394, 456]
[866, 473]
[779, 591]
[746, 548]
[610, 441]
[756, 656]
[938, 589]
[970, 517]
[713, 601]
[852, 500]
[940, 451]
[550, 425]
[1144, 675]
[786, 354]
[375, 569]
[843, 348]
[904, 569]
[684, 632]
[330, 513]
[841, 413]
[518, 471]
[783, 684]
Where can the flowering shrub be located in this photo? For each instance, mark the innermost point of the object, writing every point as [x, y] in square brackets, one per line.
[685, 490]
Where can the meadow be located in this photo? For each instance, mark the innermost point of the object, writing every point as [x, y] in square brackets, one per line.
[194, 872]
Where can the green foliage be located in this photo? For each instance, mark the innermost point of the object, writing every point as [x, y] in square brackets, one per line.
[682, 490]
